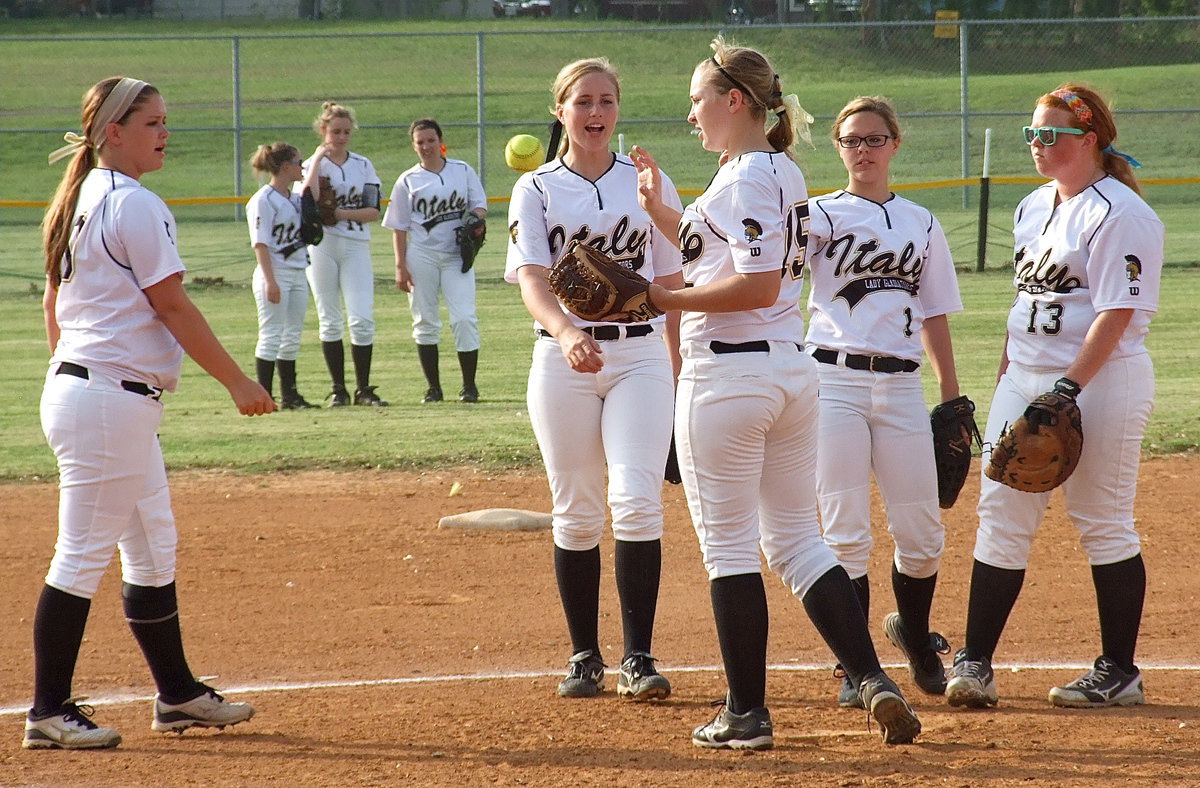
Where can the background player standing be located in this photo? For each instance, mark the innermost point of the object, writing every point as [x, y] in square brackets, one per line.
[280, 284]
[1087, 267]
[341, 263]
[118, 322]
[882, 284]
[746, 406]
[599, 394]
[425, 213]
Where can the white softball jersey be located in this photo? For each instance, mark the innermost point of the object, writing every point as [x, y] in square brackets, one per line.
[106, 322]
[877, 272]
[554, 205]
[752, 218]
[429, 206]
[1101, 249]
[349, 180]
[274, 222]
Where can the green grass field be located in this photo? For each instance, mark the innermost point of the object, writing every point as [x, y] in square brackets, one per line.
[395, 71]
[202, 430]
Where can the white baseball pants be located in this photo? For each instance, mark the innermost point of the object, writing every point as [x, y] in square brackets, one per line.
[874, 422]
[112, 484]
[745, 432]
[340, 270]
[1115, 407]
[435, 272]
[618, 419]
[280, 325]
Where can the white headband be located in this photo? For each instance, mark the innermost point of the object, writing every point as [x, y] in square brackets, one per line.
[114, 107]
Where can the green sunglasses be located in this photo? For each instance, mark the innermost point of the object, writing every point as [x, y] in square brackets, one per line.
[1047, 135]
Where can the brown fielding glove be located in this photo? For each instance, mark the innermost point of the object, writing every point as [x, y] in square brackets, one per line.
[327, 202]
[1041, 449]
[954, 427]
[593, 287]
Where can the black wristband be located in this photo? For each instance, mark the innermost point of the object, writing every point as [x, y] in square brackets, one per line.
[1067, 387]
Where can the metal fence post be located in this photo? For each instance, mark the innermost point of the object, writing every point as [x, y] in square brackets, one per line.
[964, 108]
[237, 125]
[480, 117]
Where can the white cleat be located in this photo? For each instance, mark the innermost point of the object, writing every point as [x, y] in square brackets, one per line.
[209, 710]
[68, 728]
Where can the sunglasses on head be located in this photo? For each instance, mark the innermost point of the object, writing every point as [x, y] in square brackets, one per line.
[1047, 135]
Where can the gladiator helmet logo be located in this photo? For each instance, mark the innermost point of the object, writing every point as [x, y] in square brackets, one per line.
[512, 232]
[1133, 267]
[753, 230]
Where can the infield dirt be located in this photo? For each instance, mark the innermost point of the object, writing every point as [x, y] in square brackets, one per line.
[381, 650]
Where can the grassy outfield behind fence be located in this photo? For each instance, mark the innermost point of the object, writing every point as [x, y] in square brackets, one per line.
[391, 80]
[202, 429]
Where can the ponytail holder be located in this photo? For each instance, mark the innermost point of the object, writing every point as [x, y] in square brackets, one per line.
[799, 117]
[75, 143]
[1132, 161]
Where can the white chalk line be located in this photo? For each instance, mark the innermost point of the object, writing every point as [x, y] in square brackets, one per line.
[301, 686]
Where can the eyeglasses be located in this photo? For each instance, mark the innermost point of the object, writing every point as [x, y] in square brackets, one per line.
[872, 140]
[1047, 135]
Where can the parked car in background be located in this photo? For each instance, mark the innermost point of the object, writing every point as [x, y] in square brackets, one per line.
[503, 8]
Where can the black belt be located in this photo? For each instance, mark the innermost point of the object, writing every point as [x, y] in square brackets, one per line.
[885, 364]
[74, 370]
[607, 333]
[757, 346]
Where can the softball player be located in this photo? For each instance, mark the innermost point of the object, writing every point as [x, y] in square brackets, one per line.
[599, 394]
[118, 322]
[1087, 270]
[425, 213]
[882, 284]
[746, 405]
[280, 285]
[341, 263]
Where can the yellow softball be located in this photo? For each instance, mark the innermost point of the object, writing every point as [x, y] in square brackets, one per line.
[524, 152]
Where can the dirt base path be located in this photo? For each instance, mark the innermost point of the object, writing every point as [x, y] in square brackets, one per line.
[383, 651]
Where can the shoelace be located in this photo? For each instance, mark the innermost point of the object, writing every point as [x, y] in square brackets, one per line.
[74, 711]
[640, 664]
[970, 669]
[1093, 678]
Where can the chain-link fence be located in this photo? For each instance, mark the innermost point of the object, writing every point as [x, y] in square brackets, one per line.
[950, 80]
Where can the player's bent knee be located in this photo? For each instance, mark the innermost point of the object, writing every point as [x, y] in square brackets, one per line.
[577, 538]
[917, 567]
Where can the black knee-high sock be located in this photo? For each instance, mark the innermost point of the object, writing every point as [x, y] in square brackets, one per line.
[739, 605]
[428, 355]
[265, 372]
[153, 616]
[287, 376]
[578, 574]
[914, 598]
[468, 360]
[335, 361]
[1120, 592]
[837, 614]
[58, 625]
[994, 591]
[862, 589]
[361, 354]
[638, 567]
